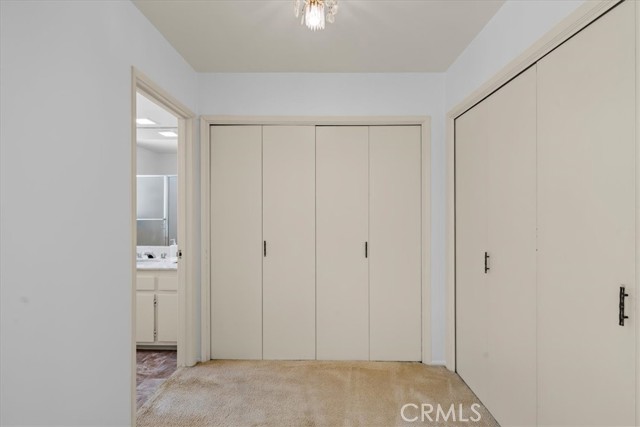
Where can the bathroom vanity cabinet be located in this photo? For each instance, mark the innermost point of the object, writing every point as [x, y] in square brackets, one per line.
[156, 307]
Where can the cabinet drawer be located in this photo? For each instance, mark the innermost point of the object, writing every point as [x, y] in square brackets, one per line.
[146, 283]
[168, 282]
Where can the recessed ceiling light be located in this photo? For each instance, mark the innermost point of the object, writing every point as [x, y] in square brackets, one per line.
[168, 133]
[145, 122]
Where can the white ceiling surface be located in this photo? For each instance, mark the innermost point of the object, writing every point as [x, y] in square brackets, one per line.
[368, 35]
[147, 135]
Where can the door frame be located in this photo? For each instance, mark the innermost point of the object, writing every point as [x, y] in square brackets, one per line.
[205, 173]
[187, 338]
[568, 27]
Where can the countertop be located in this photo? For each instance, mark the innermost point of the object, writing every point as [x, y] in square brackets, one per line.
[157, 264]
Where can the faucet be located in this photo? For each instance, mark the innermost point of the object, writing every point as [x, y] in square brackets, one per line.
[149, 255]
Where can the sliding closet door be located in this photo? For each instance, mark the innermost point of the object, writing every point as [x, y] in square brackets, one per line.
[587, 231]
[511, 280]
[471, 244]
[342, 294]
[236, 242]
[289, 277]
[395, 243]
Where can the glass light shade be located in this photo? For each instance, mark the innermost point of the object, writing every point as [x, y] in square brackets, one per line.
[314, 15]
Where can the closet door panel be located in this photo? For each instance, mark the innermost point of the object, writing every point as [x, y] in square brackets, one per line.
[587, 231]
[471, 244]
[342, 294]
[236, 242]
[511, 195]
[395, 243]
[289, 232]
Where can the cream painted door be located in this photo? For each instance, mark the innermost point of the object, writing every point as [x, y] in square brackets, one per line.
[167, 311]
[145, 318]
[395, 243]
[289, 277]
[342, 293]
[471, 243]
[236, 242]
[586, 225]
[511, 243]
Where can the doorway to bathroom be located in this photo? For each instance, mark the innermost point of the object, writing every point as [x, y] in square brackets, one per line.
[163, 314]
[156, 246]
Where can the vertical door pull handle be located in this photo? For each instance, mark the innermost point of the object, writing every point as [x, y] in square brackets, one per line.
[264, 248]
[486, 263]
[621, 316]
[366, 249]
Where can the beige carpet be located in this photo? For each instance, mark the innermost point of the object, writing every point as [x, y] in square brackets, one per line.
[310, 393]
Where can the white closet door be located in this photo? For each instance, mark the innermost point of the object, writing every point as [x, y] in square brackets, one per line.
[394, 243]
[236, 242]
[342, 298]
[511, 280]
[471, 244]
[289, 277]
[586, 225]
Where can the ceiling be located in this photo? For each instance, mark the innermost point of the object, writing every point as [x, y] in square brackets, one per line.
[368, 35]
[147, 135]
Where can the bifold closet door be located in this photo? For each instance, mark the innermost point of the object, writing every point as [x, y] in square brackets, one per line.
[394, 250]
[496, 250]
[511, 246]
[342, 196]
[289, 277]
[236, 242]
[586, 225]
[472, 296]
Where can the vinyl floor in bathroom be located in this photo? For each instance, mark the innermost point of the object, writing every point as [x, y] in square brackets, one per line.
[153, 367]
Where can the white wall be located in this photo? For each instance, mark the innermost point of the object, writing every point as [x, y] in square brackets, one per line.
[65, 327]
[155, 163]
[349, 94]
[516, 26]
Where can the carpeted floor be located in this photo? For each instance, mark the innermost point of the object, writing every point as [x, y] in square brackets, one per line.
[311, 393]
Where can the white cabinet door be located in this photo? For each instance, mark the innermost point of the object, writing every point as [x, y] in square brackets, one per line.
[342, 292]
[511, 280]
[586, 225]
[289, 234]
[236, 242]
[395, 243]
[471, 243]
[145, 318]
[167, 321]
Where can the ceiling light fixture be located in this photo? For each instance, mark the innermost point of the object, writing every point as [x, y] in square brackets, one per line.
[315, 12]
[145, 122]
[168, 133]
